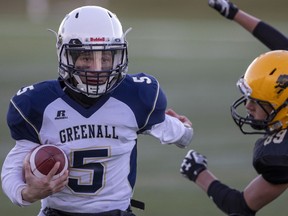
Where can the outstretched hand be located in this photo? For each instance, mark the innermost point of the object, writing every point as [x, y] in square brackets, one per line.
[224, 7]
[182, 118]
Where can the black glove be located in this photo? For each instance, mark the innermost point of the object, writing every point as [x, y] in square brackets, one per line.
[224, 7]
[193, 164]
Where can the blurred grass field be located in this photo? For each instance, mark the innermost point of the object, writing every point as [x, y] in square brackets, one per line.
[196, 55]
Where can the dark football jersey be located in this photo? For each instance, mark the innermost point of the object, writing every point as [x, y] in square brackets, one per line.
[270, 157]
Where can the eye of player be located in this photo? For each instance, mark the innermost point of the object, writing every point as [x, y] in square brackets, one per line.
[95, 60]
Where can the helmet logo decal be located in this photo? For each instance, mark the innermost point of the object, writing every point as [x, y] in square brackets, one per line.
[102, 39]
[282, 83]
[98, 39]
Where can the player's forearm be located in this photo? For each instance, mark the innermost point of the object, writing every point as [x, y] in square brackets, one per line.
[270, 36]
[227, 199]
[230, 201]
[205, 179]
[12, 173]
[246, 20]
[12, 186]
[264, 32]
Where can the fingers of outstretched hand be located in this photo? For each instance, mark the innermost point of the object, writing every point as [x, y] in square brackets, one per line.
[171, 112]
[182, 118]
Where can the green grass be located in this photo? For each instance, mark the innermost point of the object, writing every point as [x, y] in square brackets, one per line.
[197, 62]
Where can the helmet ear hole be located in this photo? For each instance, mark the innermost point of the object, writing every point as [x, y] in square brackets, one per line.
[97, 30]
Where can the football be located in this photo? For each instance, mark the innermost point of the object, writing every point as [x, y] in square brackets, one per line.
[44, 157]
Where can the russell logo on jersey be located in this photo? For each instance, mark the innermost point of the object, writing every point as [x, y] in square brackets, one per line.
[61, 115]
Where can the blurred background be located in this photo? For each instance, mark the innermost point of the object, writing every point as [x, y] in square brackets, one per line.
[197, 56]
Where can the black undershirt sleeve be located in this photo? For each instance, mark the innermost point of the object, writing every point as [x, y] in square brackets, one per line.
[229, 200]
[270, 36]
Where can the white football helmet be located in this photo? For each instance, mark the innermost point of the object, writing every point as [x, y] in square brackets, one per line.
[92, 51]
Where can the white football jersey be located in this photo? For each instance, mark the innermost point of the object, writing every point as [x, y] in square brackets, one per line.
[100, 141]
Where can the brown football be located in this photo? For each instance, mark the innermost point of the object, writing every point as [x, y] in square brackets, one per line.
[44, 157]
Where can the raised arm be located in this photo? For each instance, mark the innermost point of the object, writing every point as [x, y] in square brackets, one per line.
[267, 34]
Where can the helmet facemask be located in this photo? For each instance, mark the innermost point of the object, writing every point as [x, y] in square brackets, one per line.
[244, 119]
[93, 69]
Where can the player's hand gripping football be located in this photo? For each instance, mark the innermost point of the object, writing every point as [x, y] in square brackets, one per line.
[193, 164]
[39, 188]
[224, 7]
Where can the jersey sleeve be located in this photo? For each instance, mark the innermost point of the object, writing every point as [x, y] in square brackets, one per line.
[167, 129]
[274, 169]
[270, 158]
[172, 131]
[143, 94]
[25, 112]
[157, 104]
[19, 117]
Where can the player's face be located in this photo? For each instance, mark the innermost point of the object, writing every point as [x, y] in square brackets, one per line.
[259, 112]
[93, 63]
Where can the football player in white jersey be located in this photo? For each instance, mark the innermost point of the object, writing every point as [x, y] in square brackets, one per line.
[94, 112]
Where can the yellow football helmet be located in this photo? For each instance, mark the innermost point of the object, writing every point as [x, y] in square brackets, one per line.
[265, 82]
